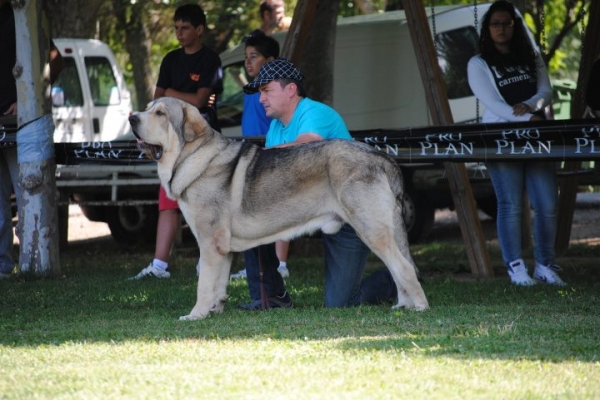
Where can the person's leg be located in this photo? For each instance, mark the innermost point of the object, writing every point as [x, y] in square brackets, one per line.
[508, 181]
[542, 187]
[282, 249]
[345, 259]
[272, 281]
[169, 220]
[6, 233]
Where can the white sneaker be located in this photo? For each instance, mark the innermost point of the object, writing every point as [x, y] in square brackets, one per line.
[151, 271]
[283, 271]
[518, 273]
[547, 274]
[241, 274]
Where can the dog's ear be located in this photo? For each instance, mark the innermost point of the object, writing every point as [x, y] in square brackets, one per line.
[193, 123]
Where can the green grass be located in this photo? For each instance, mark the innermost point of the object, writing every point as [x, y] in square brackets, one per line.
[91, 334]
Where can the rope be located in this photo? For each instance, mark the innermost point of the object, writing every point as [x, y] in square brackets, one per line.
[476, 24]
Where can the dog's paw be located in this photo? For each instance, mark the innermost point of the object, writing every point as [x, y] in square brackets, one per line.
[191, 317]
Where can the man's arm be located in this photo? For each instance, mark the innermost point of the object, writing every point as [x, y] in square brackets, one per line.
[303, 138]
[199, 99]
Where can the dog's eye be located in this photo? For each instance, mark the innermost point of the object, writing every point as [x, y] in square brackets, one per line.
[159, 112]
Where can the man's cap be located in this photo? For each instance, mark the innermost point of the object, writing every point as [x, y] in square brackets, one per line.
[279, 68]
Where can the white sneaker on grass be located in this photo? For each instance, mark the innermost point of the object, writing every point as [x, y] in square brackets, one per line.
[547, 274]
[151, 272]
[518, 273]
[241, 274]
[283, 271]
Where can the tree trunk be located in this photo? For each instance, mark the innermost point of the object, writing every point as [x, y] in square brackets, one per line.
[138, 47]
[318, 56]
[38, 227]
[73, 18]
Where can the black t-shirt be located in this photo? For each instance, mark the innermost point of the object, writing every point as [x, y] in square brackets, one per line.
[516, 85]
[8, 57]
[190, 72]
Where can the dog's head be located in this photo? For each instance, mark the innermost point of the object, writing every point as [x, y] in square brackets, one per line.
[167, 125]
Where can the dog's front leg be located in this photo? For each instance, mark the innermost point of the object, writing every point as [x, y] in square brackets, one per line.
[210, 294]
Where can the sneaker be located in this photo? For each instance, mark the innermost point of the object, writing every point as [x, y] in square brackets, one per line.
[284, 301]
[241, 274]
[518, 273]
[547, 274]
[283, 271]
[151, 271]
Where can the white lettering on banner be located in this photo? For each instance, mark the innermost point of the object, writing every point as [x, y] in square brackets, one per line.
[529, 147]
[591, 131]
[444, 137]
[585, 145]
[94, 154]
[449, 149]
[521, 134]
[374, 140]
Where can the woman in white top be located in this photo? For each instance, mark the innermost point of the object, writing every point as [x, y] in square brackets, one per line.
[510, 79]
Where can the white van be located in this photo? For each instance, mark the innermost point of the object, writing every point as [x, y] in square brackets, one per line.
[90, 101]
[377, 83]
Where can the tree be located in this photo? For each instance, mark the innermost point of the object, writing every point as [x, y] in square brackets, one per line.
[38, 218]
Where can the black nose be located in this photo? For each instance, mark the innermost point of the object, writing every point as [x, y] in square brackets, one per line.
[134, 120]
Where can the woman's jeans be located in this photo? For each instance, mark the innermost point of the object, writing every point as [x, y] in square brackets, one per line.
[510, 180]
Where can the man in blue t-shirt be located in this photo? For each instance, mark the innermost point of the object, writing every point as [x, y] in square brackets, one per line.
[297, 120]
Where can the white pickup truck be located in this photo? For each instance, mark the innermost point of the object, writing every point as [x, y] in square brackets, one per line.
[91, 105]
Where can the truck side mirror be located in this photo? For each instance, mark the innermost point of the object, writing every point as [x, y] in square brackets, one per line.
[58, 96]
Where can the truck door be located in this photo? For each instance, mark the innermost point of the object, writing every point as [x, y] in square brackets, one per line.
[69, 108]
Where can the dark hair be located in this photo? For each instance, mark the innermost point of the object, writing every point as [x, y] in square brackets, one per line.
[286, 81]
[192, 13]
[267, 46]
[266, 5]
[521, 50]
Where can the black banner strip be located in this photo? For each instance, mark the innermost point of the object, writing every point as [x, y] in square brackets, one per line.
[548, 140]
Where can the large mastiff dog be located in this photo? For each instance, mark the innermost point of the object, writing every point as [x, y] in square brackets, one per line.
[236, 195]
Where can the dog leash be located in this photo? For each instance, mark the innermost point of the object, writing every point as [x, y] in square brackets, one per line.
[264, 298]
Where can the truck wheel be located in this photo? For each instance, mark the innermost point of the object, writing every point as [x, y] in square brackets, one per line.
[418, 215]
[133, 225]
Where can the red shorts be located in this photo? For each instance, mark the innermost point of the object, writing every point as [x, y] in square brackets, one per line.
[164, 202]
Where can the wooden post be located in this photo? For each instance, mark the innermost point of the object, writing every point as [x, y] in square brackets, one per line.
[38, 218]
[439, 107]
[568, 187]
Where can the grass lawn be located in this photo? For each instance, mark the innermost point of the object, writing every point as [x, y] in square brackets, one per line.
[93, 335]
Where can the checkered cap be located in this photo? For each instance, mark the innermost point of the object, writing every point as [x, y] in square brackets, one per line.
[276, 69]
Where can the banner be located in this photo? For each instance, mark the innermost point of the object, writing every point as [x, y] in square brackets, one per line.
[548, 140]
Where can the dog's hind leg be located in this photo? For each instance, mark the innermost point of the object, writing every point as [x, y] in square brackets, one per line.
[211, 292]
[381, 232]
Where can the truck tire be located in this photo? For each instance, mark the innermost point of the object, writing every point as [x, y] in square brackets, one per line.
[133, 225]
[418, 214]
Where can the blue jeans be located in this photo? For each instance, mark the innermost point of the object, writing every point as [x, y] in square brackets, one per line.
[272, 280]
[510, 180]
[345, 260]
[9, 178]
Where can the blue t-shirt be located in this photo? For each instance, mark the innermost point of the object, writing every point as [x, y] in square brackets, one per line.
[310, 117]
[254, 119]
